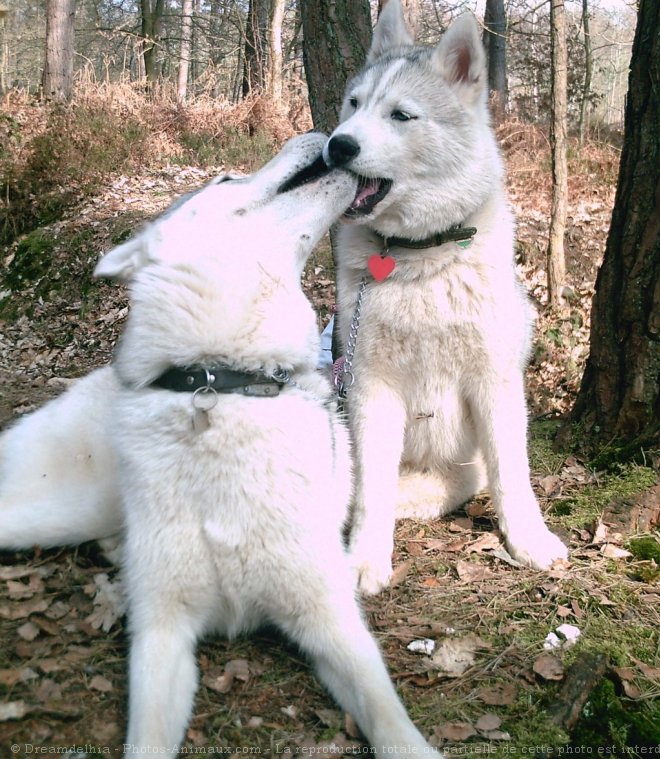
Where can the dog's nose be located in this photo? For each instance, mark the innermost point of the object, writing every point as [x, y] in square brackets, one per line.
[341, 149]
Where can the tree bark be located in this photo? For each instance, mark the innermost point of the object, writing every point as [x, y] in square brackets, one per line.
[556, 261]
[4, 50]
[275, 74]
[336, 37]
[619, 398]
[57, 79]
[588, 66]
[151, 22]
[495, 42]
[256, 46]
[184, 55]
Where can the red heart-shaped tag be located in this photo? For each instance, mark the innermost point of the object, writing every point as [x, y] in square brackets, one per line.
[381, 267]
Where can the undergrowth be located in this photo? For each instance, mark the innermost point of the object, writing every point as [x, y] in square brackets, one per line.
[582, 508]
[52, 156]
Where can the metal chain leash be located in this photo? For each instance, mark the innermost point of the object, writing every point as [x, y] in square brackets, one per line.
[345, 377]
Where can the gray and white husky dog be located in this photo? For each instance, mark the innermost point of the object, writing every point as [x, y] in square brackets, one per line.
[435, 324]
[212, 444]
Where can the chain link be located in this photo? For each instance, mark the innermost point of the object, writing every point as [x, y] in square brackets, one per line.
[345, 378]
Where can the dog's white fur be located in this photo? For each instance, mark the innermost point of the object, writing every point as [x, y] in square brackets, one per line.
[437, 409]
[238, 525]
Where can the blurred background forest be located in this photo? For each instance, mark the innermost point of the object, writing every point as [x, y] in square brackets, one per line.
[227, 49]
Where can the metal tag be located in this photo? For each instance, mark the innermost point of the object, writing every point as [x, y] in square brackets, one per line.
[200, 421]
[263, 390]
[203, 400]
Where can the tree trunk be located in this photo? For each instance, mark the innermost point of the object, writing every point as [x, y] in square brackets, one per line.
[619, 399]
[256, 46]
[275, 78]
[4, 50]
[58, 68]
[588, 65]
[336, 37]
[495, 42]
[556, 262]
[184, 55]
[151, 22]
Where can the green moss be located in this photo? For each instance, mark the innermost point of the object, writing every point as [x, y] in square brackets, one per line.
[586, 506]
[31, 261]
[616, 454]
[535, 734]
[646, 548]
[610, 723]
[542, 458]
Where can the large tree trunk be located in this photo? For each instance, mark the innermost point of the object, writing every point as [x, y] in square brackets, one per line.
[184, 55]
[336, 37]
[495, 42]
[58, 68]
[556, 261]
[619, 399]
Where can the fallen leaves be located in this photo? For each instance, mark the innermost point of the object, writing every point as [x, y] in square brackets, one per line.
[487, 727]
[221, 679]
[109, 602]
[13, 710]
[501, 694]
[453, 656]
[29, 631]
[101, 684]
[548, 667]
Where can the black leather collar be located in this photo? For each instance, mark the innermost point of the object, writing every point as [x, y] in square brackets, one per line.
[222, 379]
[454, 234]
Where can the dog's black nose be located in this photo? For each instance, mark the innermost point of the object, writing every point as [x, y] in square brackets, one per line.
[341, 149]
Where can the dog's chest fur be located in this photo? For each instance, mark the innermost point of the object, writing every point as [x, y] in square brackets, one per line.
[239, 507]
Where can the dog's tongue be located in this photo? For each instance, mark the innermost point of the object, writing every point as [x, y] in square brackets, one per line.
[371, 188]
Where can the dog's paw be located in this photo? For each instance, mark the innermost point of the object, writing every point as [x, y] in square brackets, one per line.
[371, 578]
[537, 548]
[373, 570]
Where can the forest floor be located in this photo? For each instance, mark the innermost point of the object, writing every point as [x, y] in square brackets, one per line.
[492, 685]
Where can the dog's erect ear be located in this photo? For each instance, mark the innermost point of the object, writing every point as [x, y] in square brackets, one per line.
[124, 260]
[461, 58]
[390, 31]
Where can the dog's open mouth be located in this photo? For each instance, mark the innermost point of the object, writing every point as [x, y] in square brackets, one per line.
[370, 191]
[309, 173]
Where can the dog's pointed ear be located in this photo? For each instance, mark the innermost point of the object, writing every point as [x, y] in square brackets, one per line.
[461, 58]
[390, 31]
[123, 261]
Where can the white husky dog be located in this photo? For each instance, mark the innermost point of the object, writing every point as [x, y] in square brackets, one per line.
[215, 443]
[435, 325]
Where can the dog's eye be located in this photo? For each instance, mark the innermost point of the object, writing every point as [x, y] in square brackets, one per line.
[353, 102]
[402, 116]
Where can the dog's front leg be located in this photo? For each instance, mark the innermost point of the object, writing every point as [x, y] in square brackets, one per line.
[329, 627]
[378, 421]
[162, 683]
[501, 418]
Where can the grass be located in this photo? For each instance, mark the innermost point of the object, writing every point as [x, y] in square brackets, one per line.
[585, 506]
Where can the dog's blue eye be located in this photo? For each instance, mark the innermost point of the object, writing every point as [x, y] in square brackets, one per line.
[402, 116]
[353, 102]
